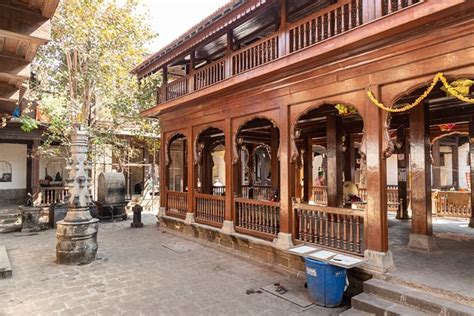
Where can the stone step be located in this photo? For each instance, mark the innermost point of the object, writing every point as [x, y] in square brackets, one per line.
[5, 266]
[354, 312]
[416, 298]
[378, 306]
[10, 223]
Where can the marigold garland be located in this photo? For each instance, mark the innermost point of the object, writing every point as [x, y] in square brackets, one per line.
[439, 76]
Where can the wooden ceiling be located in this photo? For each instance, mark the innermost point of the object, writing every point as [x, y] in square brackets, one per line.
[24, 26]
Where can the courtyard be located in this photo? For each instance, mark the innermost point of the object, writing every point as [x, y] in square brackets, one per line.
[137, 275]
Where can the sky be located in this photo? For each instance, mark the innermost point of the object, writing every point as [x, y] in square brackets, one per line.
[171, 18]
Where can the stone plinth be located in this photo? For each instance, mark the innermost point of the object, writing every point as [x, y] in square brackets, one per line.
[30, 219]
[76, 241]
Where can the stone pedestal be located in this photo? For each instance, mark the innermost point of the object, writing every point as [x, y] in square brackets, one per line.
[137, 216]
[378, 262]
[283, 241]
[30, 219]
[76, 235]
[422, 242]
[228, 227]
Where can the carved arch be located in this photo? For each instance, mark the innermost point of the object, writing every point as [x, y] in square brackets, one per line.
[293, 148]
[235, 153]
[171, 138]
[202, 129]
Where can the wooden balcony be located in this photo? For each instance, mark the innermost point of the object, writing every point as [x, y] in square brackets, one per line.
[319, 27]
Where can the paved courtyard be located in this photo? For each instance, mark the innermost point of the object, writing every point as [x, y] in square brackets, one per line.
[138, 275]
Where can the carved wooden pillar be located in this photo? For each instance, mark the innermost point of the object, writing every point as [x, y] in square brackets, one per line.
[436, 165]
[308, 168]
[189, 162]
[402, 166]
[229, 171]
[284, 239]
[334, 160]
[274, 143]
[455, 164]
[420, 162]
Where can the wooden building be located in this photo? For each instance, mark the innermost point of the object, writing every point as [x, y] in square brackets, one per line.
[281, 86]
[24, 26]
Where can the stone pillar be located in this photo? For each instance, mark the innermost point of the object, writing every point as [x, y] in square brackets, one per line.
[334, 160]
[77, 233]
[421, 236]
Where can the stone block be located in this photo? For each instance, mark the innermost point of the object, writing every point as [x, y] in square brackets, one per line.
[259, 254]
[5, 266]
[422, 242]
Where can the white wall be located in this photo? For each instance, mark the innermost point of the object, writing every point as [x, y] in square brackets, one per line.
[463, 165]
[54, 164]
[218, 170]
[392, 170]
[15, 154]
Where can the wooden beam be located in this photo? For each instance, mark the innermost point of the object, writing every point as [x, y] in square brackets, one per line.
[14, 68]
[49, 8]
[9, 93]
[23, 24]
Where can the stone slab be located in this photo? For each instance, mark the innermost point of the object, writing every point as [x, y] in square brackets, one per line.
[182, 246]
[5, 266]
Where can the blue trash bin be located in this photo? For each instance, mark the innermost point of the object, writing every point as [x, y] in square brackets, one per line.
[326, 282]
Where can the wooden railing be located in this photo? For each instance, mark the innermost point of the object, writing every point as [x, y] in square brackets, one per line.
[391, 6]
[218, 190]
[320, 195]
[452, 204]
[331, 227]
[177, 88]
[332, 21]
[209, 75]
[50, 195]
[257, 192]
[393, 202]
[255, 55]
[176, 204]
[209, 209]
[257, 218]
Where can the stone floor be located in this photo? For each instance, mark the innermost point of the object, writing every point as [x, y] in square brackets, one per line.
[137, 275]
[448, 268]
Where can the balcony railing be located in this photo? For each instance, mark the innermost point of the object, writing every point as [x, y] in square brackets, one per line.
[331, 227]
[210, 209]
[332, 21]
[51, 195]
[257, 218]
[176, 204]
[257, 192]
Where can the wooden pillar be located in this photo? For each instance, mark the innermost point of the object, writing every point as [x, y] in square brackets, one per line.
[455, 164]
[375, 223]
[420, 162]
[283, 48]
[164, 90]
[229, 171]
[436, 165]
[402, 166]
[471, 164]
[190, 71]
[286, 211]
[274, 143]
[163, 170]
[334, 160]
[190, 170]
[308, 169]
[349, 158]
